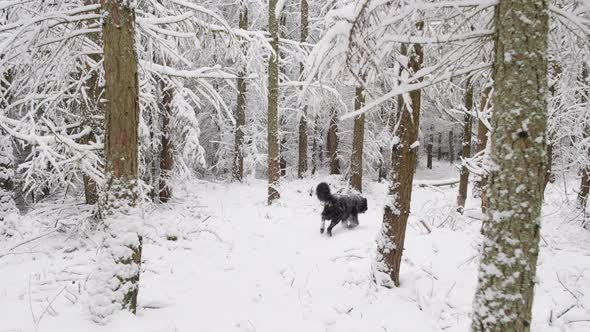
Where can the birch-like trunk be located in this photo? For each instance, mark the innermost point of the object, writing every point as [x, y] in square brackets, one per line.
[506, 281]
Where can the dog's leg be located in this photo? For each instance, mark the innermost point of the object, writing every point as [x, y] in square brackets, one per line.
[353, 221]
[323, 226]
[332, 224]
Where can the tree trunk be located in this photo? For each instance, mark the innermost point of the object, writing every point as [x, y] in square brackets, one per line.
[332, 143]
[482, 141]
[584, 188]
[504, 296]
[356, 160]
[315, 151]
[167, 152]
[91, 109]
[439, 152]
[121, 141]
[585, 181]
[274, 171]
[395, 217]
[429, 152]
[302, 164]
[238, 164]
[451, 147]
[464, 178]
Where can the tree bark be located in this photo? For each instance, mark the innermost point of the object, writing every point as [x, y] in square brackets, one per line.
[585, 181]
[332, 143]
[121, 142]
[315, 150]
[464, 177]
[390, 247]
[482, 141]
[429, 152]
[451, 147]
[439, 152]
[356, 160]
[91, 109]
[274, 171]
[302, 164]
[238, 164]
[167, 152]
[504, 296]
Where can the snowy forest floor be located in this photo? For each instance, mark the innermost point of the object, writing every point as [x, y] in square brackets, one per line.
[239, 265]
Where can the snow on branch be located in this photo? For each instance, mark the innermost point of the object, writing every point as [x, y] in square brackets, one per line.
[405, 88]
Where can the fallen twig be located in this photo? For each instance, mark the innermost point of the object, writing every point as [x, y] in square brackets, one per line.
[425, 226]
[436, 183]
[565, 287]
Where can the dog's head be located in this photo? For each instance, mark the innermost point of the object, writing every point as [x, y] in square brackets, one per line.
[323, 192]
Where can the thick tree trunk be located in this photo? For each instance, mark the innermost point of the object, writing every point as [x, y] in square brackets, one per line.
[332, 143]
[504, 296]
[356, 160]
[121, 142]
[302, 164]
[451, 147]
[167, 152]
[274, 171]
[464, 178]
[238, 163]
[395, 217]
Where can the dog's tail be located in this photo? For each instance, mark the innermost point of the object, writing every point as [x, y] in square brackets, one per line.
[364, 205]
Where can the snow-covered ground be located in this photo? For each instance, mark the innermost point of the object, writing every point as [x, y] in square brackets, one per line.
[239, 265]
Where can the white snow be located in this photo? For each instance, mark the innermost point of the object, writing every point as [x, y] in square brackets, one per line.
[239, 265]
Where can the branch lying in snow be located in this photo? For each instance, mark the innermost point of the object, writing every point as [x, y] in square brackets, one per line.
[27, 241]
[436, 183]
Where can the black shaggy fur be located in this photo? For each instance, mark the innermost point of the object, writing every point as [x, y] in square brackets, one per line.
[339, 208]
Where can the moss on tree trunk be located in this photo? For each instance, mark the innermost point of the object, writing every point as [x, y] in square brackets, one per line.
[504, 295]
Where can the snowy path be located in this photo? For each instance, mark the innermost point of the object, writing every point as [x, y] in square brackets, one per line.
[241, 266]
[274, 271]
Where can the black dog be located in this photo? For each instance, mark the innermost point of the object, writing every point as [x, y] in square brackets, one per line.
[339, 207]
